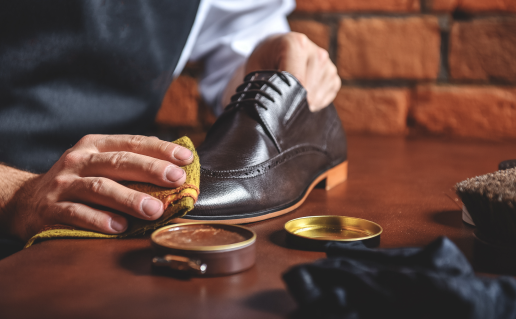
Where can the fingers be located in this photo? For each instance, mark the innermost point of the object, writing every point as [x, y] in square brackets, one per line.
[312, 66]
[324, 81]
[82, 216]
[334, 83]
[149, 146]
[294, 53]
[133, 167]
[323, 95]
[108, 193]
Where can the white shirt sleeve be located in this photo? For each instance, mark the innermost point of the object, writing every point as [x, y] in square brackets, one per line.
[227, 35]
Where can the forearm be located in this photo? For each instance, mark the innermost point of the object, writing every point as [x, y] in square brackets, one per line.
[11, 181]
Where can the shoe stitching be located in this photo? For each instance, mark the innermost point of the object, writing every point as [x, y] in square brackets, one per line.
[264, 167]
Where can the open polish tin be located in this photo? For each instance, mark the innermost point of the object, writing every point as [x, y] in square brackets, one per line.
[210, 249]
[314, 232]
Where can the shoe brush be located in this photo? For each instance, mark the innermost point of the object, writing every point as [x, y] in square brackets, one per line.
[491, 201]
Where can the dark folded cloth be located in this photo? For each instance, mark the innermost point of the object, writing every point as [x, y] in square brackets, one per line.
[431, 282]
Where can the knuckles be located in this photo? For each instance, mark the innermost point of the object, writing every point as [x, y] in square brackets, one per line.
[73, 159]
[95, 185]
[61, 182]
[135, 142]
[133, 201]
[156, 168]
[323, 55]
[163, 147]
[296, 40]
[71, 212]
[99, 221]
[88, 140]
[119, 159]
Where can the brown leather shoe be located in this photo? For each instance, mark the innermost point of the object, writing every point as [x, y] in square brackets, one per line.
[267, 151]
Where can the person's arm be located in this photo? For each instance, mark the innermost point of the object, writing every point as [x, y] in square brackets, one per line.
[229, 33]
[238, 37]
[295, 53]
[81, 188]
[11, 183]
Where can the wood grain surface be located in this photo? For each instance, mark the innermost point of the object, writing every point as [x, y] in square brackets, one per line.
[403, 184]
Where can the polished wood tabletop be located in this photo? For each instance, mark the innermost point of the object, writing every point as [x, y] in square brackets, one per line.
[403, 184]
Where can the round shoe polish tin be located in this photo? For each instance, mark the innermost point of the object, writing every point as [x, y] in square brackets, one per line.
[314, 232]
[209, 249]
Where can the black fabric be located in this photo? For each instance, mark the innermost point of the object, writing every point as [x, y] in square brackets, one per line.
[431, 282]
[69, 68]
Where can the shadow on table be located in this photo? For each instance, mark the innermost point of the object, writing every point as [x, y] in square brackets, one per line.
[483, 256]
[9, 247]
[279, 238]
[275, 301]
[493, 259]
[139, 262]
[451, 218]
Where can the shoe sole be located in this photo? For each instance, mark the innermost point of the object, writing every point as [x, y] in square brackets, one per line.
[334, 176]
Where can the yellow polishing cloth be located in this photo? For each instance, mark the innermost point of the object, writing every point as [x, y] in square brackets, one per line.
[177, 203]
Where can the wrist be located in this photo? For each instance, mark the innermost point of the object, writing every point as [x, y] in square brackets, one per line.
[12, 189]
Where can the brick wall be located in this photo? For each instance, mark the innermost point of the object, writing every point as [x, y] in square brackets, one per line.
[440, 67]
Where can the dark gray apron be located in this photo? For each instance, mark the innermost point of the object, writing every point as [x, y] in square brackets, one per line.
[74, 67]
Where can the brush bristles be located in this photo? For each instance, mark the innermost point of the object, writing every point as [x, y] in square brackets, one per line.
[491, 201]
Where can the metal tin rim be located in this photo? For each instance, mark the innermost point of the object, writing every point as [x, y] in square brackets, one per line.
[217, 248]
[335, 216]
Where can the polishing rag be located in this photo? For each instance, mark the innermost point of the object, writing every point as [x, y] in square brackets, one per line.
[436, 281]
[177, 203]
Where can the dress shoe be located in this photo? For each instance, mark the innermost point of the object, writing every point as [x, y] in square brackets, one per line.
[267, 151]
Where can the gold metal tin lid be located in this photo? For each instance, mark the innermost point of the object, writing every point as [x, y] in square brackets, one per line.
[333, 228]
[202, 236]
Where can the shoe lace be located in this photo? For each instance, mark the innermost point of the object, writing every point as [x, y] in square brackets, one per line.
[250, 89]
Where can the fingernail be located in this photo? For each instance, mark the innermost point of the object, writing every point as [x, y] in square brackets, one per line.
[119, 224]
[182, 154]
[174, 174]
[151, 206]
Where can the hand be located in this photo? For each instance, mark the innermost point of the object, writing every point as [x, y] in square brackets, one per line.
[81, 189]
[311, 65]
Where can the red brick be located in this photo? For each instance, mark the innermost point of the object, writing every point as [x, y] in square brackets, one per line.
[319, 33]
[180, 105]
[378, 110]
[483, 49]
[385, 48]
[472, 5]
[468, 111]
[357, 5]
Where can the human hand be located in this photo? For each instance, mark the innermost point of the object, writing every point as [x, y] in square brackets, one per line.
[81, 189]
[311, 65]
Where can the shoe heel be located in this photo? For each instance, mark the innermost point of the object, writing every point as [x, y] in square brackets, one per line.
[337, 175]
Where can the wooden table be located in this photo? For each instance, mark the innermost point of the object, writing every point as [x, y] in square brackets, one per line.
[400, 183]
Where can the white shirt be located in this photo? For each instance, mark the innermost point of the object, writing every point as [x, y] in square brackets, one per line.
[224, 34]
